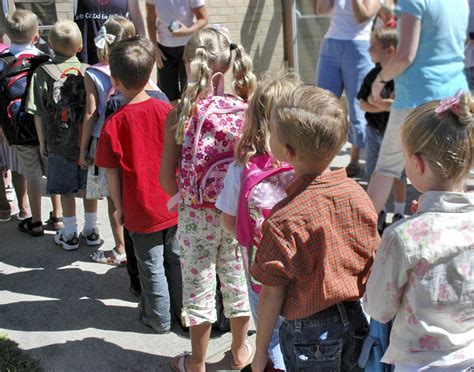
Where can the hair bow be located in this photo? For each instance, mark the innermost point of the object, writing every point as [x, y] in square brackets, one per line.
[103, 38]
[451, 103]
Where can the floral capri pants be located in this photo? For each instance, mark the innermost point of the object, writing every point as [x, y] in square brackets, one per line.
[207, 248]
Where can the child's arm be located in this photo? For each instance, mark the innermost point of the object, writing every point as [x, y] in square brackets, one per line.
[170, 157]
[229, 222]
[90, 119]
[40, 133]
[368, 107]
[269, 308]
[115, 188]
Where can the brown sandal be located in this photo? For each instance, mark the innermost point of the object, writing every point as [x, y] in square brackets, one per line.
[53, 223]
[27, 226]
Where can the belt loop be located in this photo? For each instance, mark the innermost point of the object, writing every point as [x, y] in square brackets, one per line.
[297, 324]
[343, 314]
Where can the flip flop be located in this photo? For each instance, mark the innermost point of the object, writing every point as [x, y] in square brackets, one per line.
[240, 367]
[178, 362]
[117, 259]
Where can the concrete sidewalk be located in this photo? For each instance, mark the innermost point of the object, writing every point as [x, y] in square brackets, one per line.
[76, 315]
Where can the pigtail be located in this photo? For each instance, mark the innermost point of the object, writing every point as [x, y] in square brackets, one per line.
[466, 110]
[244, 79]
[198, 83]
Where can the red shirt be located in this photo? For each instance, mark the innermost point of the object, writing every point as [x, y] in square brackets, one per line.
[319, 243]
[132, 140]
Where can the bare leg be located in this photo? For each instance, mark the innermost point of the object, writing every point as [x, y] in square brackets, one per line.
[117, 229]
[379, 190]
[90, 205]
[199, 341]
[355, 155]
[34, 197]
[239, 326]
[68, 203]
[400, 191]
[19, 183]
[57, 208]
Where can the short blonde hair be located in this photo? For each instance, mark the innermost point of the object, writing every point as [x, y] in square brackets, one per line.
[21, 26]
[256, 132]
[209, 51]
[386, 36]
[65, 38]
[445, 139]
[313, 122]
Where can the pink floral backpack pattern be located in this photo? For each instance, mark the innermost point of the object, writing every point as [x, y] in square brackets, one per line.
[262, 186]
[208, 148]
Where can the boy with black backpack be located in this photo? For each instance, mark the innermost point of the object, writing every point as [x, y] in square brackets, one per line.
[57, 100]
[17, 65]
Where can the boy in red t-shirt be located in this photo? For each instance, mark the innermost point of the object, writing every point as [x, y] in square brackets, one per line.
[130, 148]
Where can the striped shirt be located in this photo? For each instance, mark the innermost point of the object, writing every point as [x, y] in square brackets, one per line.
[319, 243]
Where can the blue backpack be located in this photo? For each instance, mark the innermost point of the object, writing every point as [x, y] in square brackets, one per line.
[374, 348]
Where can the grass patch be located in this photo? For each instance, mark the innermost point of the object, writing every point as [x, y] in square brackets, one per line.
[13, 359]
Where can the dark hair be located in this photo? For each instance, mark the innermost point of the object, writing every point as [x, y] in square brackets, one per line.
[131, 62]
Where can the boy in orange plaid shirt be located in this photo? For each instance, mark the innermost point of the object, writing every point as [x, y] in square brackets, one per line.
[318, 243]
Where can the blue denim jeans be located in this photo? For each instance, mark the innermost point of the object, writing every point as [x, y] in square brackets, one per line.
[330, 340]
[274, 351]
[159, 270]
[65, 177]
[343, 65]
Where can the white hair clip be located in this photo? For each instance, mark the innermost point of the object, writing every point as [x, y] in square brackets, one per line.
[103, 38]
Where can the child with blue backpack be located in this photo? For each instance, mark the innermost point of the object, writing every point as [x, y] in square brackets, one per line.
[199, 138]
[254, 183]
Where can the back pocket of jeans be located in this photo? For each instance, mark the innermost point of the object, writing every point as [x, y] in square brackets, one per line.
[318, 355]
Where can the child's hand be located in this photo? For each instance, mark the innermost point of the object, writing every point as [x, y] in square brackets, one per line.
[43, 149]
[259, 362]
[414, 206]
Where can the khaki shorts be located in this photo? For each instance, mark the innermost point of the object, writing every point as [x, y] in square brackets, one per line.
[391, 161]
[32, 164]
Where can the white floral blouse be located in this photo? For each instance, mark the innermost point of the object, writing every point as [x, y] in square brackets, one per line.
[423, 275]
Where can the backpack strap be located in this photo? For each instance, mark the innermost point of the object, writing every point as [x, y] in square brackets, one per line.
[53, 70]
[7, 57]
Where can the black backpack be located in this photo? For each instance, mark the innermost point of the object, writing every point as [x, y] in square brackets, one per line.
[18, 126]
[64, 109]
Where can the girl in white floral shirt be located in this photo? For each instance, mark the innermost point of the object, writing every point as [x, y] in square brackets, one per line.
[423, 275]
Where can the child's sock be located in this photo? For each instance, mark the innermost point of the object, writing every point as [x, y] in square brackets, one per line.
[70, 226]
[90, 222]
[399, 208]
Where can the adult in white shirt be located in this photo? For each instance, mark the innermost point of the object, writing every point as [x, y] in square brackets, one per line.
[170, 24]
[344, 61]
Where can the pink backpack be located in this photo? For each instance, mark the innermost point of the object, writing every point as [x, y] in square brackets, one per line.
[262, 186]
[208, 148]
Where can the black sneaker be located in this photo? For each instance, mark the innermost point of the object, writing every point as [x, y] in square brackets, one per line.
[67, 244]
[397, 217]
[93, 238]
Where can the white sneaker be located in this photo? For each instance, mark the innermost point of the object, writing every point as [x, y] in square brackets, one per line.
[93, 238]
[67, 244]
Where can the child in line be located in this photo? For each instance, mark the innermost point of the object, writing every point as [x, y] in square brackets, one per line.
[22, 30]
[205, 127]
[254, 144]
[423, 271]
[318, 243]
[9, 161]
[98, 91]
[383, 44]
[130, 147]
[65, 177]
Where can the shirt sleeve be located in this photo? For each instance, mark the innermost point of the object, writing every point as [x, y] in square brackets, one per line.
[229, 197]
[365, 89]
[274, 264]
[109, 151]
[35, 101]
[387, 280]
[197, 3]
[414, 7]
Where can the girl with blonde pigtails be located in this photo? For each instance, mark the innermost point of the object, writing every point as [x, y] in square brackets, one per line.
[199, 141]
[423, 274]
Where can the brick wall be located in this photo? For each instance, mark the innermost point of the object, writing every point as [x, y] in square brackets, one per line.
[256, 24]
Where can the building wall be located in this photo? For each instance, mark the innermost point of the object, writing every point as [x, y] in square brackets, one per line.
[256, 24]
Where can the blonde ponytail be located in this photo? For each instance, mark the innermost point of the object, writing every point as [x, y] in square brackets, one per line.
[245, 81]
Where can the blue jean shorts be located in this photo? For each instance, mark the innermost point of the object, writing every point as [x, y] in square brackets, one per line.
[330, 340]
[65, 176]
